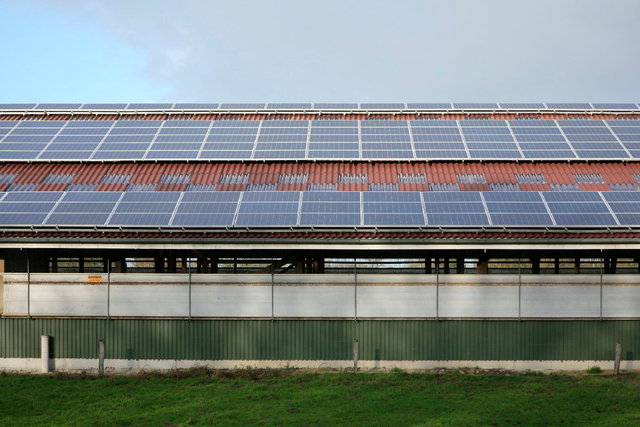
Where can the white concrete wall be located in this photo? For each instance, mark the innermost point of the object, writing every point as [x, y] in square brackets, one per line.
[32, 365]
[378, 296]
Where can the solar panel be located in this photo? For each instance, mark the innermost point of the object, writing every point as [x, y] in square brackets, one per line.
[17, 106]
[578, 208]
[615, 106]
[523, 105]
[451, 208]
[207, 209]
[289, 106]
[569, 105]
[241, 106]
[83, 208]
[335, 106]
[89, 124]
[149, 106]
[429, 106]
[517, 208]
[268, 208]
[478, 105]
[392, 208]
[54, 106]
[187, 123]
[330, 208]
[382, 106]
[195, 106]
[105, 106]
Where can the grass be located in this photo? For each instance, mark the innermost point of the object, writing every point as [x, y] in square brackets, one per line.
[289, 397]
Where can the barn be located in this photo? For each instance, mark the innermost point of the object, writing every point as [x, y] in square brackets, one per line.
[319, 235]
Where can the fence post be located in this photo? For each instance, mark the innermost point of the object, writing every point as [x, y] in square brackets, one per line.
[355, 289]
[101, 357]
[355, 355]
[108, 288]
[519, 288]
[189, 266]
[616, 365]
[44, 354]
[438, 288]
[28, 286]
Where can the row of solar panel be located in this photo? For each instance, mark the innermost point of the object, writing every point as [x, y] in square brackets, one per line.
[246, 209]
[376, 139]
[325, 106]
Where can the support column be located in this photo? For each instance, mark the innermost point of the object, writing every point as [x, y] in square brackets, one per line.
[556, 266]
[576, 269]
[535, 265]
[459, 265]
[118, 266]
[483, 265]
[158, 264]
[427, 266]
[171, 262]
[1, 286]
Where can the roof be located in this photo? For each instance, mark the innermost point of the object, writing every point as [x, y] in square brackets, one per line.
[289, 167]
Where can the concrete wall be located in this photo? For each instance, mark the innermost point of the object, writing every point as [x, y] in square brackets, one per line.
[323, 296]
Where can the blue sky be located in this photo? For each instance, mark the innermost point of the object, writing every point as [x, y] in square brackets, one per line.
[368, 51]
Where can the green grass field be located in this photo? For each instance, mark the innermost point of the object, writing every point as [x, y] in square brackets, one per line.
[298, 398]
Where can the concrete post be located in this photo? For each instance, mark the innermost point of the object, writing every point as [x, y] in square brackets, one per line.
[101, 357]
[616, 365]
[355, 355]
[44, 354]
[1, 286]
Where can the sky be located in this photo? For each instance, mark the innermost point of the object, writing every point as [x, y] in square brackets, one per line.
[330, 50]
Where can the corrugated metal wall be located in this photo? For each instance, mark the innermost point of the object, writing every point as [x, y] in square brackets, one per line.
[323, 339]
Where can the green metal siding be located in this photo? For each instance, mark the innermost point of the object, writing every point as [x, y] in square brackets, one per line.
[323, 339]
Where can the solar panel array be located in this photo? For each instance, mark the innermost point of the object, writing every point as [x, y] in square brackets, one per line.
[293, 208]
[318, 139]
[324, 106]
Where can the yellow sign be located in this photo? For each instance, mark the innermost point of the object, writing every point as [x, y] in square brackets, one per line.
[94, 278]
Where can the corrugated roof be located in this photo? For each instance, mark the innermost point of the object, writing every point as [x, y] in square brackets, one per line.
[452, 115]
[325, 235]
[416, 176]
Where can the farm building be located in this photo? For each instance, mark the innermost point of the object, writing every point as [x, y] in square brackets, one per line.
[320, 235]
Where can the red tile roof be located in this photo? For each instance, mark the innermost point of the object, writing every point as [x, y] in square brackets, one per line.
[408, 176]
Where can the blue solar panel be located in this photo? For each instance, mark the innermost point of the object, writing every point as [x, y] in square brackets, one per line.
[635, 123]
[195, 106]
[523, 105]
[138, 124]
[242, 106]
[289, 106]
[105, 106]
[382, 106]
[17, 106]
[615, 106]
[430, 106]
[46, 106]
[335, 106]
[461, 219]
[334, 123]
[392, 208]
[149, 106]
[569, 105]
[89, 124]
[478, 105]
[187, 123]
